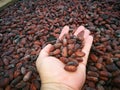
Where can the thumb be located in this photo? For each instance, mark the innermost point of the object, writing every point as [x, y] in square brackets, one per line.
[45, 51]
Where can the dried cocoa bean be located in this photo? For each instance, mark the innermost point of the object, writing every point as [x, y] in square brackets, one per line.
[23, 70]
[64, 41]
[116, 73]
[93, 57]
[79, 59]
[70, 68]
[79, 53]
[21, 84]
[64, 60]
[91, 84]
[57, 45]
[99, 65]
[91, 78]
[64, 52]
[16, 81]
[4, 82]
[56, 52]
[27, 76]
[73, 63]
[94, 74]
[105, 74]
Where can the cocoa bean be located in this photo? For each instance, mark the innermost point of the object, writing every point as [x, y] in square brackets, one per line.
[16, 73]
[56, 52]
[79, 53]
[4, 82]
[81, 35]
[94, 74]
[79, 59]
[91, 78]
[105, 74]
[103, 78]
[57, 45]
[116, 73]
[77, 46]
[16, 81]
[116, 81]
[8, 87]
[21, 84]
[91, 84]
[99, 65]
[111, 67]
[64, 42]
[100, 87]
[93, 57]
[6, 61]
[73, 63]
[70, 52]
[64, 52]
[64, 60]
[70, 68]
[23, 70]
[27, 76]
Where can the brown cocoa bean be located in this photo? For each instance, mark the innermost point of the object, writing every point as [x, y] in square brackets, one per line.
[16, 73]
[104, 78]
[93, 57]
[79, 59]
[32, 87]
[111, 67]
[99, 65]
[36, 84]
[70, 52]
[56, 52]
[81, 35]
[79, 53]
[64, 60]
[16, 81]
[23, 70]
[91, 84]
[6, 61]
[64, 42]
[64, 52]
[20, 85]
[105, 74]
[71, 46]
[26, 58]
[91, 78]
[116, 73]
[94, 74]
[8, 87]
[4, 82]
[77, 46]
[57, 45]
[116, 81]
[100, 87]
[27, 76]
[70, 68]
[73, 63]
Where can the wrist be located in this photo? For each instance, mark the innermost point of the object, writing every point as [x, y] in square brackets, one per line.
[55, 86]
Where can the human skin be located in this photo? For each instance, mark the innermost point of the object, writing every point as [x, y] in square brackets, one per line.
[51, 70]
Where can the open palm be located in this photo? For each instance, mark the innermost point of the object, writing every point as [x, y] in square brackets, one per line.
[51, 69]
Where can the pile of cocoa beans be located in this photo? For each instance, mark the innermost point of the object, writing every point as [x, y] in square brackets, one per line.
[69, 50]
[28, 25]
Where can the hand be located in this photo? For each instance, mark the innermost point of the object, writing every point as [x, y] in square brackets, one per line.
[52, 71]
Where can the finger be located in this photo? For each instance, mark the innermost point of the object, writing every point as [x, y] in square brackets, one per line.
[65, 30]
[86, 33]
[45, 51]
[81, 28]
[86, 48]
